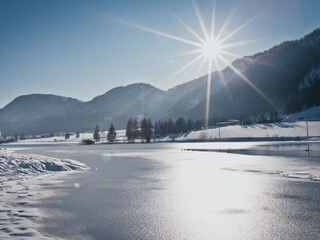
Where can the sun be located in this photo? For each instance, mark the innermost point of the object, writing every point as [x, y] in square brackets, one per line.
[211, 49]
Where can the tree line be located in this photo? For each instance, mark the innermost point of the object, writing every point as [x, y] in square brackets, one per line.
[146, 130]
[181, 125]
[133, 131]
[161, 128]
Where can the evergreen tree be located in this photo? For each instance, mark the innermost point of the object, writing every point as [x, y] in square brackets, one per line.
[157, 129]
[111, 136]
[67, 136]
[149, 130]
[132, 131]
[22, 136]
[146, 129]
[129, 128]
[170, 127]
[136, 132]
[190, 125]
[163, 128]
[198, 125]
[181, 125]
[274, 116]
[96, 133]
[262, 118]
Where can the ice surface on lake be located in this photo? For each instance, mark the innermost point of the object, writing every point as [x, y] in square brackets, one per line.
[298, 167]
[158, 191]
[20, 175]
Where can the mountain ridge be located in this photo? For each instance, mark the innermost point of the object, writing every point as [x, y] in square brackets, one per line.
[278, 72]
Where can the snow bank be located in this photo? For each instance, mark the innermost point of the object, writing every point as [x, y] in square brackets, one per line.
[20, 175]
[13, 166]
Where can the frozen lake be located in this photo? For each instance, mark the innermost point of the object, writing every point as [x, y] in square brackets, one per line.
[157, 191]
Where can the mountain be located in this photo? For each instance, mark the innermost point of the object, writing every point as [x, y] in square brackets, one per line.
[116, 106]
[23, 112]
[285, 78]
[33, 114]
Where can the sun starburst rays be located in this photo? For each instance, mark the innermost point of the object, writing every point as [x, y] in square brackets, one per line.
[210, 47]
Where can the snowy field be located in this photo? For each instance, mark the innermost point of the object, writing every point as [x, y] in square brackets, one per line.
[274, 130]
[267, 131]
[20, 175]
[72, 140]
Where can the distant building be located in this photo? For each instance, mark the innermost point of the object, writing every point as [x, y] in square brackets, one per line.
[230, 122]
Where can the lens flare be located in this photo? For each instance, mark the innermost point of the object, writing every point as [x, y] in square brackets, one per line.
[208, 46]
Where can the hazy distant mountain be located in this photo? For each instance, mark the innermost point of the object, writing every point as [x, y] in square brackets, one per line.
[288, 75]
[116, 106]
[23, 112]
[36, 113]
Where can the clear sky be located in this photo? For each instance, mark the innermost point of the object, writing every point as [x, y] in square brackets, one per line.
[76, 48]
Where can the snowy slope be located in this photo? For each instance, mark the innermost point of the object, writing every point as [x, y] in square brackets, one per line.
[19, 190]
[297, 129]
[311, 114]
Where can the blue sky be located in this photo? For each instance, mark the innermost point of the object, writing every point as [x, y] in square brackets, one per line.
[76, 48]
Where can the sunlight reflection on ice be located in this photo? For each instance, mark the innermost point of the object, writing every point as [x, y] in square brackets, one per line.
[193, 179]
[208, 208]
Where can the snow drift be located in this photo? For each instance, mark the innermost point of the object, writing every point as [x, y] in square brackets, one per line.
[20, 175]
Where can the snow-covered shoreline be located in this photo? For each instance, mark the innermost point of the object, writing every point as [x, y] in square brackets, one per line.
[20, 175]
[284, 131]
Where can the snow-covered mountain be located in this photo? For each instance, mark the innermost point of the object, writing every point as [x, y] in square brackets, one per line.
[285, 77]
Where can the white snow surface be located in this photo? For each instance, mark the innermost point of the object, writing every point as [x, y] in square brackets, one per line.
[311, 114]
[20, 175]
[295, 129]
